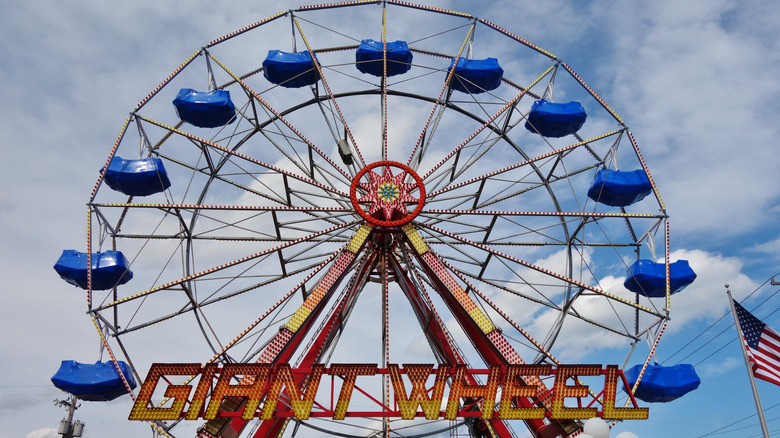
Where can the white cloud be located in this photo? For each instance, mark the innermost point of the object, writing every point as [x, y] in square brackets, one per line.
[770, 248]
[685, 83]
[46, 432]
[724, 366]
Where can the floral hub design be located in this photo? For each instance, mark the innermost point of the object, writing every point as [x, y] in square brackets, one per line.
[381, 194]
[388, 192]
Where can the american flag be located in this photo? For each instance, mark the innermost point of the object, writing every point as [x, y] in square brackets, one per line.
[763, 346]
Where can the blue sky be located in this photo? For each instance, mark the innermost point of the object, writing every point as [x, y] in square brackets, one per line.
[696, 82]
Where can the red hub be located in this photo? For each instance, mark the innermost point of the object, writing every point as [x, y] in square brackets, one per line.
[384, 196]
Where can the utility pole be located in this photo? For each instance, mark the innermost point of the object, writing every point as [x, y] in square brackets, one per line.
[68, 428]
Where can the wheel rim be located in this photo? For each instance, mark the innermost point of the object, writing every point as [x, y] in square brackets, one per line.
[296, 207]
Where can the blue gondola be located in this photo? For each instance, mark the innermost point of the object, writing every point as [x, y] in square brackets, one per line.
[619, 189]
[551, 119]
[476, 75]
[648, 278]
[661, 384]
[109, 269]
[93, 382]
[143, 177]
[290, 70]
[369, 57]
[205, 109]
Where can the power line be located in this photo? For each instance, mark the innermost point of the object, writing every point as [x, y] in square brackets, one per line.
[722, 332]
[718, 430]
[700, 334]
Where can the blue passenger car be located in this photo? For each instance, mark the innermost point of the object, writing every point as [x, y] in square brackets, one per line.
[141, 177]
[93, 382]
[369, 58]
[661, 384]
[550, 119]
[648, 278]
[618, 188]
[109, 269]
[290, 70]
[476, 75]
[205, 109]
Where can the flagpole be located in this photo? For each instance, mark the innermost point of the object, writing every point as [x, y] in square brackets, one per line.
[759, 409]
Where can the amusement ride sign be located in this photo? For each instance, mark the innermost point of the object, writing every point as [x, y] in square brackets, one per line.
[259, 382]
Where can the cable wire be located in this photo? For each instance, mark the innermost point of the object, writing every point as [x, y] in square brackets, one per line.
[716, 322]
[735, 422]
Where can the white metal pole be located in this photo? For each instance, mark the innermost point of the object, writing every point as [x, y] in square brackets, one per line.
[759, 409]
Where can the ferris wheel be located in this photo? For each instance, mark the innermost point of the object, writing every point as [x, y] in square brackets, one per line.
[375, 182]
